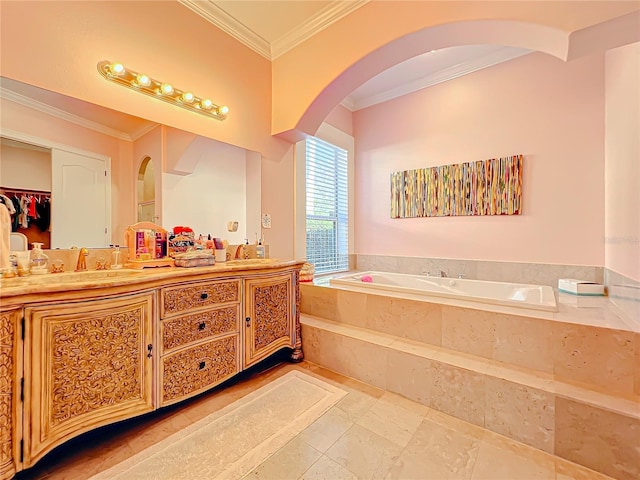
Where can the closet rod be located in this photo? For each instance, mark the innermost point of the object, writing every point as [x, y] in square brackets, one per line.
[24, 190]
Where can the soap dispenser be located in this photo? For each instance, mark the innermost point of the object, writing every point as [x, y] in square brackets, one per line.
[39, 260]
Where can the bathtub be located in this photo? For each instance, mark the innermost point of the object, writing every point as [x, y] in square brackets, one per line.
[538, 297]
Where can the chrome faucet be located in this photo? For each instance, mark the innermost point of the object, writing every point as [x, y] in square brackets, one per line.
[81, 266]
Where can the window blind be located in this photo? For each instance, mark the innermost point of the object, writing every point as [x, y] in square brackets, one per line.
[327, 211]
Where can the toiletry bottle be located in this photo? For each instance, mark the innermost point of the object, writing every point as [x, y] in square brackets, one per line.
[260, 249]
[39, 260]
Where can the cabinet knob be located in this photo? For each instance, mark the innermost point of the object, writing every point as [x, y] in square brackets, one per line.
[202, 326]
[247, 322]
[202, 365]
[149, 348]
[204, 296]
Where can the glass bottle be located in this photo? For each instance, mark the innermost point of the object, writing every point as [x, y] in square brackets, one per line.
[39, 259]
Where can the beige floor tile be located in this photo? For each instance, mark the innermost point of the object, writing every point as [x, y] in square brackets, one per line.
[496, 463]
[358, 401]
[364, 453]
[288, 463]
[327, 469]
[394, 417]
[327, 429]
[436, 452]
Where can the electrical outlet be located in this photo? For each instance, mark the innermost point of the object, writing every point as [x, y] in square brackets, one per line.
[266, 220]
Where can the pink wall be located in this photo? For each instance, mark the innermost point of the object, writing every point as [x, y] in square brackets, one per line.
[622, 164]
[536, 105]
[341, 118]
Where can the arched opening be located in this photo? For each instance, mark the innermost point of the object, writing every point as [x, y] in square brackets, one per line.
[146, 192]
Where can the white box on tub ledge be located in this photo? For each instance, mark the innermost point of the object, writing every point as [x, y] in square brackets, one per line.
[580, 287]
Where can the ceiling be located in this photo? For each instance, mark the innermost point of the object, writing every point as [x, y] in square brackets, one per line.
[272, 27]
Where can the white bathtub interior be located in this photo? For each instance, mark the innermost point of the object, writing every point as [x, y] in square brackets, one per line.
[539, 297]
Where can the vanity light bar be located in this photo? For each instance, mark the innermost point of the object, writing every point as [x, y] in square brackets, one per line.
[117, 73]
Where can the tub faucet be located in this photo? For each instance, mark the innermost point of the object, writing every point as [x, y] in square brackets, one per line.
[81, 266]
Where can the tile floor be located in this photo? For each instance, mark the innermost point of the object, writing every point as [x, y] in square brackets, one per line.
[369, 434]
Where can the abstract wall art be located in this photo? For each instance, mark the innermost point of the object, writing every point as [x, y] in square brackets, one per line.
[486, 187]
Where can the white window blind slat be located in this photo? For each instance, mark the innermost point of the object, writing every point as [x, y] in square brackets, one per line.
[326, 206]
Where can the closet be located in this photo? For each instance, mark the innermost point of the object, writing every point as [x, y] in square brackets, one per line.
[25, 184]
[30, 213]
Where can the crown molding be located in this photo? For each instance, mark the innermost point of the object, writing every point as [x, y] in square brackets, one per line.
[441, 76]
[325, 17]
[229, 24]
[61, 114]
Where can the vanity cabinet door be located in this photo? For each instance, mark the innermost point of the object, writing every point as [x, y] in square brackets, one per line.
[9, 392]
[269, 316]
[87, 364]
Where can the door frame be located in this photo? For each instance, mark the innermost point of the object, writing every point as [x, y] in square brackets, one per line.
[50, 144]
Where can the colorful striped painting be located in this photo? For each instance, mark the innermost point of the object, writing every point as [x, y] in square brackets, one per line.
[486, 187]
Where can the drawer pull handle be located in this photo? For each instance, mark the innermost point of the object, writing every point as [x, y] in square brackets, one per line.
[247, 322]
[202, 365]
[202, 326]
[204, 296]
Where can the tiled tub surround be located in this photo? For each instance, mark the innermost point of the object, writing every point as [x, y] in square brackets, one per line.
[560, 382]
[516, 272]
[625, 293]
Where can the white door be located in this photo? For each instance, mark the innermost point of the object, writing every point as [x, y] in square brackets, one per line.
[80, 200]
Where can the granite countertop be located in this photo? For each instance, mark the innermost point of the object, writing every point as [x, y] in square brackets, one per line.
[92, 279]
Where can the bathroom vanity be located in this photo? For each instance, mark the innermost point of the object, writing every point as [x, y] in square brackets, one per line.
[87, 349]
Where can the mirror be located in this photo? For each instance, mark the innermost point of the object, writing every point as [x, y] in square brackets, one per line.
[159, 174]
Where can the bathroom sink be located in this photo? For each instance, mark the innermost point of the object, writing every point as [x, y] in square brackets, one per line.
[68, 277]
[248, 261]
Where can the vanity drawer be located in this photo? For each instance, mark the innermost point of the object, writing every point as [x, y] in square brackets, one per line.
[195, 296]
[180, 331]
[193, 370]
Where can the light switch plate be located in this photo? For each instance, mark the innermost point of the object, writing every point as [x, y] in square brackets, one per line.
[266, 220]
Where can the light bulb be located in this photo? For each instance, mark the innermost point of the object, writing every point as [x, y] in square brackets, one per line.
[206, 104]
[166, 89]
[223, 110]
[187, 97]
[143, 80]
[116, 69]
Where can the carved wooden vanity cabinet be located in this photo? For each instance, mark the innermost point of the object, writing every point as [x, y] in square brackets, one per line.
[76, 356]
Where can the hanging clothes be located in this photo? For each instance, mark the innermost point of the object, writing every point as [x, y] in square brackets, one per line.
[9, 204]
[24, 214]
[43, 209]
[32, 207]
[5, 237]
[15, 223]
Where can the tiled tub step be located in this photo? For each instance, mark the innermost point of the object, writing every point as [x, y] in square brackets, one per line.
[595, 429]
[553, 344]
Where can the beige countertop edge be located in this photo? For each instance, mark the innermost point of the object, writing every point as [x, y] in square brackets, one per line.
[35, 284]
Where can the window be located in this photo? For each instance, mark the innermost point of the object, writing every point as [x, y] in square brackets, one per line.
[327, 211]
